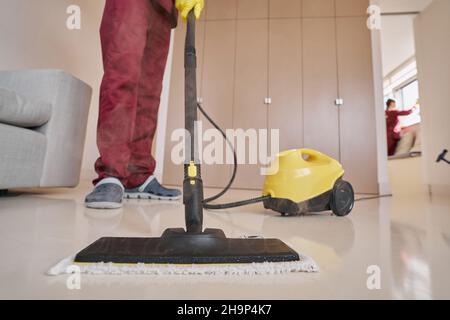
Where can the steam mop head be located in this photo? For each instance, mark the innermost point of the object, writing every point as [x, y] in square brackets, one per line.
[178, 252]
[181, 248]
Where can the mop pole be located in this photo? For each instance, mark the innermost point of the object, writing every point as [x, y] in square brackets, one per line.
[192, 185]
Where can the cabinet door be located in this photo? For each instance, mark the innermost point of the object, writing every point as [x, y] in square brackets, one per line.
[320, 86]
[285, 8]
[285, 81]
[172, 173]
[349, 8]
[249, 110]
[357, 115]
[218, 86]
[251, 9]
[220, 9]
[318, 8]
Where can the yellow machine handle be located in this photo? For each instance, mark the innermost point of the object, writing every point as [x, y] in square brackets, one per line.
[312, 154]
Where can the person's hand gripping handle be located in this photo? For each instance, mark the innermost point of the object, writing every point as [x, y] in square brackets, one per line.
[185, 6]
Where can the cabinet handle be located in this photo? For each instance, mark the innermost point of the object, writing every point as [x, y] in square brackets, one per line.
[268, 101]
[339, 102]
[200, 100]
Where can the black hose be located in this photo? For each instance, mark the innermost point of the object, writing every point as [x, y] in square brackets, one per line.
[233, 176]
[206, 202]
[372, 198]
[234, 204]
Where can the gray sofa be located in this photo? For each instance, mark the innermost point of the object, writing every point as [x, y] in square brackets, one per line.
[43, 119]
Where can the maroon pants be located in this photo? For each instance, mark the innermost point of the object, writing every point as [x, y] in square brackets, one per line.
[392, 142]
[135, 41]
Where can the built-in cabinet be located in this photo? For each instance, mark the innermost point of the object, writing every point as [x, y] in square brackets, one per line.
[320, 86]
[301, 66]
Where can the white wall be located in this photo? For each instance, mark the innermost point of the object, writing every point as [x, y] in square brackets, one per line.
[397, 38]
[33, 34]
[432, 51]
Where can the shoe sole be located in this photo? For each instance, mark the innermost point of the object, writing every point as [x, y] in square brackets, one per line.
[148, 196]
[104, 205]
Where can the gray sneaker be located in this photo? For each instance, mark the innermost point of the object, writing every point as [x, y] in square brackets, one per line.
[152, 189]
[107, 194]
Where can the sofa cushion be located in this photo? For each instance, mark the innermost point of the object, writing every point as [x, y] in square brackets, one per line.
[22, 157]
[19, 111]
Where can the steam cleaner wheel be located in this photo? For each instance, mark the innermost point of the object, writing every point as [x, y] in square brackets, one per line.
[342, 198]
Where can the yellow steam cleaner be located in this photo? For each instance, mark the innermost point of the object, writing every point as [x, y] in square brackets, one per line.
[300, 182]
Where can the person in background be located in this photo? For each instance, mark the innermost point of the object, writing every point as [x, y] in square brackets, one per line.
[135, 37]
[393, 124]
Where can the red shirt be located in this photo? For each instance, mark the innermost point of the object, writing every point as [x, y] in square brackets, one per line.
[393, 121]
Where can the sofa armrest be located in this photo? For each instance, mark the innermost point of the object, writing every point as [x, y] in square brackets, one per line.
[66, 130]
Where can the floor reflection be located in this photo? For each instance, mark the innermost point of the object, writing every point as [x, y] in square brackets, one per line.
[333, 232]
[136, 218]
[411, 271]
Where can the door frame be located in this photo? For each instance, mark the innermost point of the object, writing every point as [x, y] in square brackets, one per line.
[384, 185]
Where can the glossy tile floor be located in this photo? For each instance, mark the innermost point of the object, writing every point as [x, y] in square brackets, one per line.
[406, 236]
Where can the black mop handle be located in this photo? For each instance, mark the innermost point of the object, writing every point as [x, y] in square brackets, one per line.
[192, 185]
[190, 66]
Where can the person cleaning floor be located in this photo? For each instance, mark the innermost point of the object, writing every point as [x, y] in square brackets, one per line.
[135, 38]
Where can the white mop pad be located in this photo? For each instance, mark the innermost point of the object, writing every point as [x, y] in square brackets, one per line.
[67, 266]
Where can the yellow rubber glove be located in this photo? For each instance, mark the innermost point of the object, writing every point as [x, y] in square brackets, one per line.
[185, 6]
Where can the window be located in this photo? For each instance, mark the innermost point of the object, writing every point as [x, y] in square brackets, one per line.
[410, 95]
[407, 97]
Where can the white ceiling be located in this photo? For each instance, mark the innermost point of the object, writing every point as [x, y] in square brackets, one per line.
[403, 5]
